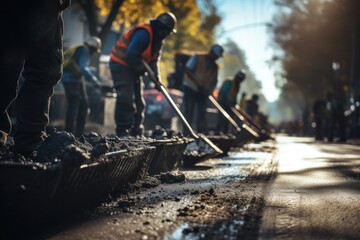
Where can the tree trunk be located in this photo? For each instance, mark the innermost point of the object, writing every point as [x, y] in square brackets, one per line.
[107, 25]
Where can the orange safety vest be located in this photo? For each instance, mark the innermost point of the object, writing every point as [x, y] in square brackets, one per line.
[119, 50]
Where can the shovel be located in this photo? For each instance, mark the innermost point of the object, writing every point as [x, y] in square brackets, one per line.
[199, 150]
[254, 134]
[264, 132]
[244, 133]
[224, 113]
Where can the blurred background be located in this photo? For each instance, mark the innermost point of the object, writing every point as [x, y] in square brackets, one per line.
[295, 52]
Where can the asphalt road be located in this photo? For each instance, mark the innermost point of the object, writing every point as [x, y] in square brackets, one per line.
[316, 192]
[292, 189]
[221, 199]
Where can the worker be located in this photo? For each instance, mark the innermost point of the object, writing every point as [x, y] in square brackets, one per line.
[142, 42]
[200, 79]
[227, 98]
[242, 104]
[33, 47]
[76, 72]
[252, 106]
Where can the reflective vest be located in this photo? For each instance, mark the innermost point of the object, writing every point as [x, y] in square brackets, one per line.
[71, 63]
[120, 49]
[205, 74]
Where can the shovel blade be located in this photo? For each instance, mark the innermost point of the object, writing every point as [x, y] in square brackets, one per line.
[200, 150]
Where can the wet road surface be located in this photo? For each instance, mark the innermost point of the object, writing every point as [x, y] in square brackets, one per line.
[221, 199]
[292, 189]
[316, 193]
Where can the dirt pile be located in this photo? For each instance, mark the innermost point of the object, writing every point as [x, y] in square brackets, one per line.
[63, 146]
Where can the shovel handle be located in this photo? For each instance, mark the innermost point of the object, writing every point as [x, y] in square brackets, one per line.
[224, 113]
[169, 99]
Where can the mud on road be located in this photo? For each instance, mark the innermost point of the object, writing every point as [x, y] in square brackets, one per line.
[218, 199]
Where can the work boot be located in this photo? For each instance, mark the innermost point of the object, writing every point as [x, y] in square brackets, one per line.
[137, 133]
[27, 147]
[5, 127]
[3, 138]
[122, 133]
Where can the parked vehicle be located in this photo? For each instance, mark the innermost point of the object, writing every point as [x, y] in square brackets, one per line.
[158, 110]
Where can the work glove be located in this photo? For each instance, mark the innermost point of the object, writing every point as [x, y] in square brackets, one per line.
[157, 84]
[106, 88]
[140, 69]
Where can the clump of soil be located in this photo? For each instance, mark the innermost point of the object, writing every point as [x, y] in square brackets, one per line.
[159, 133]
[171, 177]
[198, 148]
[7, 155]
[64, 146]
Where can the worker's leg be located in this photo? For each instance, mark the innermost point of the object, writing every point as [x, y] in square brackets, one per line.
[124, 80]
[84, 111]
[138, 128]
[73, 97]
[201, 116]
[43, 30]
[189, 105]
[11, 64]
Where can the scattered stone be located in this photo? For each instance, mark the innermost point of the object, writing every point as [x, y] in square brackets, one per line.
[171, 177]
[125, 203]
[186, 231]
[211, 191]
[195, 192]
[150, 182]
[100, 149]
[198, 148]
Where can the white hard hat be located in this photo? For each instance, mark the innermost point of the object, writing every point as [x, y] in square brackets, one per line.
[94, 42]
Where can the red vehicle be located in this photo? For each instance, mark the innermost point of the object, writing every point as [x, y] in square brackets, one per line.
[159, 112]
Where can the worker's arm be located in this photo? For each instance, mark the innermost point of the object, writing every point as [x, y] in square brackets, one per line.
[84, 61]
[212, 84]
[155, 66]
[224, 91]
[138, 43]
[191, 67]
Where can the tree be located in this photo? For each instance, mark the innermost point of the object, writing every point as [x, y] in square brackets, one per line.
[315, 42]
[234, 60]
[195, 28]
[92, 8]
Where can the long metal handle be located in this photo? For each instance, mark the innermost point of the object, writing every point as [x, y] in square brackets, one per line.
[224, 113]
[248, 118]
[244, 123]
[169, 99]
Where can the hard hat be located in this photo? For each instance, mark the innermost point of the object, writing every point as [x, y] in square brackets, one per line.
[240, 75]
[168, 19]
[94, 42]
[217, 50]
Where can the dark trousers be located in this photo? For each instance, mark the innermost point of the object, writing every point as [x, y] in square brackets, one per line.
[78, 107]
[319, 128]
[331, 127]
[195, 100]
[130, 102]
[31, 45]
[223, 123]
